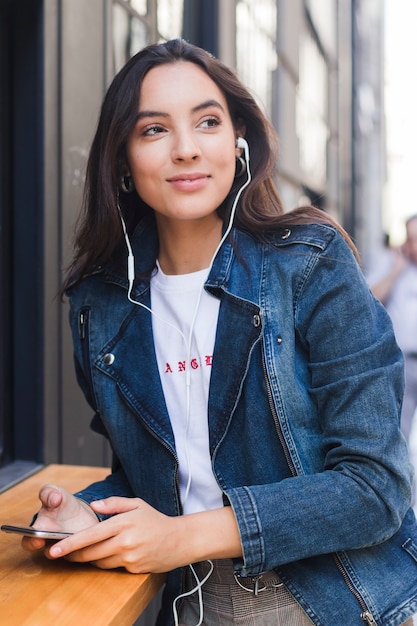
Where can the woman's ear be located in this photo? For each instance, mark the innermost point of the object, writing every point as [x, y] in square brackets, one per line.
[240, 132]
[123, 168]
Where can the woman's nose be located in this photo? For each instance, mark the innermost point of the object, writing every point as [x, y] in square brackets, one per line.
[186, 147]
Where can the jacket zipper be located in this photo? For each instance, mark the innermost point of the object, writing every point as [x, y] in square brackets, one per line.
[84, 327]
[276, 420]
[366, 615]
[163, 444]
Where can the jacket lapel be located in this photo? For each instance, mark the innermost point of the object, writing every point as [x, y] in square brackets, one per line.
[239, 329]
[134, 368]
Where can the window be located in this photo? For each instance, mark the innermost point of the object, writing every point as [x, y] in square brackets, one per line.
[256, 48]
[170, 18]
[135, 25]
[312, 112]
[129, 35]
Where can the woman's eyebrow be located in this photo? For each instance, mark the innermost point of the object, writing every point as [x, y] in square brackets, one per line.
[142, 114]
[206, 105]
[199, 107]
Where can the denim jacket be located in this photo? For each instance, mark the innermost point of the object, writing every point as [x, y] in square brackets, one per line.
[304, 402]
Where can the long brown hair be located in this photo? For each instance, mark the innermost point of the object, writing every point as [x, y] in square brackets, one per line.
[99, 234]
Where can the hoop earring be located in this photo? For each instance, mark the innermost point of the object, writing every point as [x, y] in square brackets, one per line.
[240, 167]
[126, 184]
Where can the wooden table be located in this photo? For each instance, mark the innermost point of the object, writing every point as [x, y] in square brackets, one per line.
[38, 592]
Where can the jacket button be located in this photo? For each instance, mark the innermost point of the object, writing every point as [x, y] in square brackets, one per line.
[256, 321]
[286, 233]
[108, 358]
[279, 340]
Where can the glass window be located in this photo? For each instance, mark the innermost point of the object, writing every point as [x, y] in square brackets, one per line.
[312, 105]
[140, 6]
[132, 27]
[129, 36]
[256, 47]
[170, 16]
[324, 17]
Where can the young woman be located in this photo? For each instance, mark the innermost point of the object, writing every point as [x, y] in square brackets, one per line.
[249, 383]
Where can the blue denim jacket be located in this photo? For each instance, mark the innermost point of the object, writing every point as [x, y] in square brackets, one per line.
[304, 402]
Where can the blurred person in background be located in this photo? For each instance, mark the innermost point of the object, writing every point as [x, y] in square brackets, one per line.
[393, 280]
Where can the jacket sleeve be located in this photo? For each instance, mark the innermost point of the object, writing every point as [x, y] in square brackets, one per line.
[361, 492]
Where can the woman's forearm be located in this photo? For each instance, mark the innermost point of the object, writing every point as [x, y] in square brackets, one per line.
[208, 535]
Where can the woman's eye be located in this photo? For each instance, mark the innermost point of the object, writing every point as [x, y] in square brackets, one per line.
[210, 122]
[150, 131]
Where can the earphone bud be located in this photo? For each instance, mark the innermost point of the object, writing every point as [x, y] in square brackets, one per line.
[241, 143]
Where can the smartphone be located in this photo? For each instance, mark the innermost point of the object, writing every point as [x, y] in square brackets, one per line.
[34, 532]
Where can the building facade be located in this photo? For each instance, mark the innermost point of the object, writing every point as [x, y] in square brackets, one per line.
[310, 64]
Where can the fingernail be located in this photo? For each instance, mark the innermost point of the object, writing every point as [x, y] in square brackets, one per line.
[55, 551]
[99, 503]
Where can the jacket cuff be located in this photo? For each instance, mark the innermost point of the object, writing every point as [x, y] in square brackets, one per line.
[250, 530]
[87, 497]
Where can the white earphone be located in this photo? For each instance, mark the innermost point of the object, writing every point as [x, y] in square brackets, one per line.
[242, 143]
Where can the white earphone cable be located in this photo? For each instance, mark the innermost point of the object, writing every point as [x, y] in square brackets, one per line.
[241, 143]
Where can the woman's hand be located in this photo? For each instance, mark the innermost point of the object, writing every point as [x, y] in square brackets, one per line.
[141, 539]
[60, 511]
[136, 537]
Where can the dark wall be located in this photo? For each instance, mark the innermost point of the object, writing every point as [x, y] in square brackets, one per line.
[21, 221]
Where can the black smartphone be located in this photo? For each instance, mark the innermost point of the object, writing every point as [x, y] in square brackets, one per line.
[34, 532]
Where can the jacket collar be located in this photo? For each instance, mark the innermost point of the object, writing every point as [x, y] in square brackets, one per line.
[144, 242]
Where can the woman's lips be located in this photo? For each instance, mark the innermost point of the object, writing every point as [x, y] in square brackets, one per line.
[188, 182]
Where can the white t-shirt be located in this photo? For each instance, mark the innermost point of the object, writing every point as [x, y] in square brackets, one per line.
[174, 302]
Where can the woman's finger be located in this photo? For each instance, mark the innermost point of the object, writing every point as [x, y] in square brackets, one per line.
[115, 504]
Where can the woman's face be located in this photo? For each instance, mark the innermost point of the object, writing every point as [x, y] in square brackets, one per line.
[181, 153]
